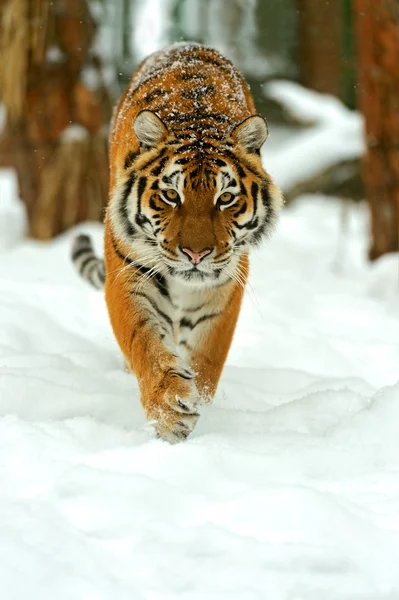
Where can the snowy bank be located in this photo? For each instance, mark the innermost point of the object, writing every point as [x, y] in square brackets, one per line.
[289, 486]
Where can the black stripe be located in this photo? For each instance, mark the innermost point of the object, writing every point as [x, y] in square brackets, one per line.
[265, 197]
[187, 118]
[231, 155]
[186, 136]
[178, 374]
[123, 211]
[154, 94]
[158, 279]
[198, 92]
[208, 59]
[257, 235]
[81, 251]
[254, 194]
[184, 76]
[94, 270]
[175, 172]
[212, 136]
[129, 159]
[240, 170]
[85, 263]
[205, 134]
[162, 285]
[184, 322]
[242, 210]
[141, 220]
[219, 162]
[172, 254]
[140, 191]
[253, 170]
[252, 224]
[159, 168]
[119, 253]
[155, 307]
[153, 205]
[198, 145]
[101, 274]
[191, 310]
[154, 159]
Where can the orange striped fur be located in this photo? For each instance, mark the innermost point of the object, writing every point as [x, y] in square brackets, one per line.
[188, 199]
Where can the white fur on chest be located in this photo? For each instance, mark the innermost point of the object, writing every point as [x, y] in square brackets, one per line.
[188, 314]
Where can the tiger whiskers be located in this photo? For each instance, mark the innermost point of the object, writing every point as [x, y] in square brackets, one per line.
[146, 277]
[149, 258]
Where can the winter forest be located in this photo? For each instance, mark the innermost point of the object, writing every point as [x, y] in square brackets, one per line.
[285, 484]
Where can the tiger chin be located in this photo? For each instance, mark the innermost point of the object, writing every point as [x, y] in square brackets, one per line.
[188, 199]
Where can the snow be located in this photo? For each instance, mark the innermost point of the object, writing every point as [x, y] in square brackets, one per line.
[75, 132]
[12, 221]
[91, 77]
[152, 20]
[289, 487]
[335, 135]
[55, 55]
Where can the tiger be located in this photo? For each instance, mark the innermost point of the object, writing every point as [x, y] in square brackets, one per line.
[188, 199]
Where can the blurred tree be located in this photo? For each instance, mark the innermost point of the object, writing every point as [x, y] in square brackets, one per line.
[319, 53]
[57, 107]
[258, 36]
[348, 55]
[377, 25]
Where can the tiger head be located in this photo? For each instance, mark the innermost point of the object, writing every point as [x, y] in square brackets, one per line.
[190, 206]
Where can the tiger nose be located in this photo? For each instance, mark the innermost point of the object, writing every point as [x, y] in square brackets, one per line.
[196, 257]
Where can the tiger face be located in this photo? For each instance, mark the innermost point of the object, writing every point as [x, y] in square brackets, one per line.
[191, 207]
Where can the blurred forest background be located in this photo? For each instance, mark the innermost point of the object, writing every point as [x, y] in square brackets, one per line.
[63, 63]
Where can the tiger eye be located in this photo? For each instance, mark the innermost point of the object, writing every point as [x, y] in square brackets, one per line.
[171, 194]
[226, 197]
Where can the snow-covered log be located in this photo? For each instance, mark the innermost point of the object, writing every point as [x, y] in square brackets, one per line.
[325, 154]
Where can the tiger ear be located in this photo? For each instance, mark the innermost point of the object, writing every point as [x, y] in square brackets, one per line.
[149, 128]
[251, 133]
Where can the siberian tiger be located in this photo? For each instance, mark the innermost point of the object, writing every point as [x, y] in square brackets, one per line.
[188, 199]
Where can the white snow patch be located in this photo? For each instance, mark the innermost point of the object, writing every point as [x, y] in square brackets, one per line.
[74, 132]
[13, 224]
[90, 77]
[288, 488]
[336, 134]
[152, 20]
[54, 54]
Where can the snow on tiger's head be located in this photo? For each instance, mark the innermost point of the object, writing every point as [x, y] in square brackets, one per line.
[191, 203]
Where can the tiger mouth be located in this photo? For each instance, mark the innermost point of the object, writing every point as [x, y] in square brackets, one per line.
[195, 274]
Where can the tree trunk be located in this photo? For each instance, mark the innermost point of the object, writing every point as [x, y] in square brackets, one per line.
[377, 25]
[319, 51]
[57, 109]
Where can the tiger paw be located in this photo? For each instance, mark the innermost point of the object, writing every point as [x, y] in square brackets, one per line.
[172, 407]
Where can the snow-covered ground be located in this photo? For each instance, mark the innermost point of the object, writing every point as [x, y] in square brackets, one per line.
[287, 490]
